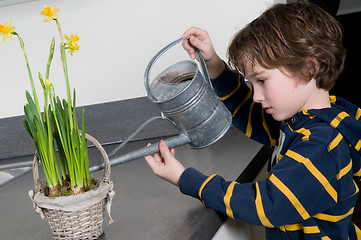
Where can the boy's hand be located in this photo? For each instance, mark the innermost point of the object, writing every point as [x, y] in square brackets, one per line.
[164, 165]
[199, 38]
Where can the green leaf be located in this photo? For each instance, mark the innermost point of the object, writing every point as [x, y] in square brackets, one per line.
[27, 128]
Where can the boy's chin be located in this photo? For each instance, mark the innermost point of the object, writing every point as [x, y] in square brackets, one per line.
[279, 118]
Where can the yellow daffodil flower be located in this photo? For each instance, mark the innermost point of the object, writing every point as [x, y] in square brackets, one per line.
[47, 82]
[7, 30]
[49, 13]
[71, 43]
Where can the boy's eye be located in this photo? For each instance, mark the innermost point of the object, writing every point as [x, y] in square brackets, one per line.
[260, 81]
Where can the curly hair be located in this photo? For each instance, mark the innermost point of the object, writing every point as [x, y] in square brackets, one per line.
[300, 38]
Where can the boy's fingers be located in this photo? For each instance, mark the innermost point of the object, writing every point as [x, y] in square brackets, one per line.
[164, 150]
[151, 160]
[186, 45]
[190, 31]
[172, 151]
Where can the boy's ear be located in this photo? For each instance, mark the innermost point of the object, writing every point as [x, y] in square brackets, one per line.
[315, 68]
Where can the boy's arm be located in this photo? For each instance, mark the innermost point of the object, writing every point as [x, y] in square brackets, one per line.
[297, 189]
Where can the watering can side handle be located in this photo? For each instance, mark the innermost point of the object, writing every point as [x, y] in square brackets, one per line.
[150, 64]
[163, 50]
[204, 67]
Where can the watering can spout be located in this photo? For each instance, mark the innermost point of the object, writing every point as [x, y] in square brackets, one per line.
[172, 142]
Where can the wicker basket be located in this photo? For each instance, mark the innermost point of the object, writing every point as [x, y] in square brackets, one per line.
[77, 216]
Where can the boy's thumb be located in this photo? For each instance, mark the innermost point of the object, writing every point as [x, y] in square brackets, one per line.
[164, 150]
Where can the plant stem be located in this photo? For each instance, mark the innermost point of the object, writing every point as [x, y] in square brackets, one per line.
[29, 72]
[65, 68]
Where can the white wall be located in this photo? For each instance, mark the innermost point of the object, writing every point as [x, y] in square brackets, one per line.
[117, 40]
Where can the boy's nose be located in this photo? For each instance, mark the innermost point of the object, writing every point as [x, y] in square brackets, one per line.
[257, 95]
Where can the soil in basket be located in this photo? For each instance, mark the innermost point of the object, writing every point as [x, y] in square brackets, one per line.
[66, 189]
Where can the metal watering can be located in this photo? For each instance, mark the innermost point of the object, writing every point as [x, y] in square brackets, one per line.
[187, 99]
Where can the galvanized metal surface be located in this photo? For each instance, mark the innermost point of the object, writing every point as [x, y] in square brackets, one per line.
[186, 97]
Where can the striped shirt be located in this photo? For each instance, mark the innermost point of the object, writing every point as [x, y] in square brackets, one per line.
[310, 191]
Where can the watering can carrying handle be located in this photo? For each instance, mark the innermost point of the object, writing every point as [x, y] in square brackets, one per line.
[163, 50]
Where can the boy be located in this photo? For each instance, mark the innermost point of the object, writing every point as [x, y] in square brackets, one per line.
[292, 54]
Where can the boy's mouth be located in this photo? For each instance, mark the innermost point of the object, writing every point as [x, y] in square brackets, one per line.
[268, 110]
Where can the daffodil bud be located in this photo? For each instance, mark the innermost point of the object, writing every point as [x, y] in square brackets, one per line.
[41, 81]
[52, 46]
[52, 91]
[51, 54]
[47, 82]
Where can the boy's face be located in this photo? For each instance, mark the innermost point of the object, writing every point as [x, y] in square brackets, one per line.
[281, 95]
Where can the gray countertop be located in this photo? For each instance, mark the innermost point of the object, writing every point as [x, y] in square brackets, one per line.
[144, 207]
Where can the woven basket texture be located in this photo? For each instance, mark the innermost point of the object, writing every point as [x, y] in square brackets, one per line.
[84, 223]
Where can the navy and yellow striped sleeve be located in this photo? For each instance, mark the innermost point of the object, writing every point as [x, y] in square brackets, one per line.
[248, 116]
[299, 187]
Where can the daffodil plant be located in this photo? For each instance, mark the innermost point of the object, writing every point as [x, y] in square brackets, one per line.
[57, 125]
